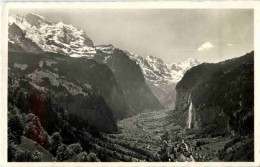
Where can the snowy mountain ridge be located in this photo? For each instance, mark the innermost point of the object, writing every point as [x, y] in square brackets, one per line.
[51, 37]
[159, 76]
[35, 34]
[158, 72]
[68, 40]
[153, 68]
[162, 77]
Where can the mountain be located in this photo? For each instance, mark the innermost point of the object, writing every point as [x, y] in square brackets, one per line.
[219, 99]
[63, 97]
[26, 35]
[50, 37]
[162, 77]
[60, 103]
[81, 87]
[17, 41]
[218, 90]
[67, 95]
[69, 41]
[130, 78]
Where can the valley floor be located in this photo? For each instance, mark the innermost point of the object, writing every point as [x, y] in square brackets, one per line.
[151, 137]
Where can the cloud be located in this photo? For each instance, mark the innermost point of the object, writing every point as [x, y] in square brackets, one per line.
[205, 46]
[229, 44]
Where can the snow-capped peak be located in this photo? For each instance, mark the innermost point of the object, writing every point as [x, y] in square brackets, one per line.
[60, 24]
[54, 37]
[109, 49]
[158, 72]
[185, 65]
[19, 20]
[153, 59]
[191, 60]
[28, 21]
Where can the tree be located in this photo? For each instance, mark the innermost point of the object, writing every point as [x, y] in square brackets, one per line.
[15, 128]
[82, 157]
[55, 142]
[75, 148]
[11, 152]
[163, 153]
[27, 156]
[36, 156]
[93, 157]
[64, 153]
[85, 140]
[35, 131]
[21, 102]
[22, 156]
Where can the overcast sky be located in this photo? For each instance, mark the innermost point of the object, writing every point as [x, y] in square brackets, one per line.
[170, 34]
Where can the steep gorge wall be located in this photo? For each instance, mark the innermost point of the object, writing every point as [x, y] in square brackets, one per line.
[221, 95]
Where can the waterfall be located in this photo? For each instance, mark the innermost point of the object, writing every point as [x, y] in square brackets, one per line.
[190, 116]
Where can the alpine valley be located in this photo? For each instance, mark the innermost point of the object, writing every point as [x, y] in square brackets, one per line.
[70, 100]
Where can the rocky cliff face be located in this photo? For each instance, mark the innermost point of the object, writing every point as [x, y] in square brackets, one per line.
[217, 95]
[79, 86]
[130, 78]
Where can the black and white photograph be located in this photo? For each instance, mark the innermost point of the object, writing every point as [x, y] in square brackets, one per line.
[130, 85]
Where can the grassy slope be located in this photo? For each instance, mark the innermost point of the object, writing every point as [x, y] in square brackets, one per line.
[30, 145]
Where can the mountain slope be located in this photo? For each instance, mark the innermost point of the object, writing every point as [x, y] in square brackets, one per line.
[33, 33]
[83, 91]
[218, 100]
[220, 94]
[67, 40]
[130, 79]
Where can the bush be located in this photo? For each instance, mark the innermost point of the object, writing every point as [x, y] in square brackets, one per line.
[27, 156]
[22, 156]
[82, 157]
[164, 157]
[64, 153]
[92, 157]
[75, 148]
[36, 156]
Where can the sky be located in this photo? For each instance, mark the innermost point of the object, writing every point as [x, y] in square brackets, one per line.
[174, 35]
